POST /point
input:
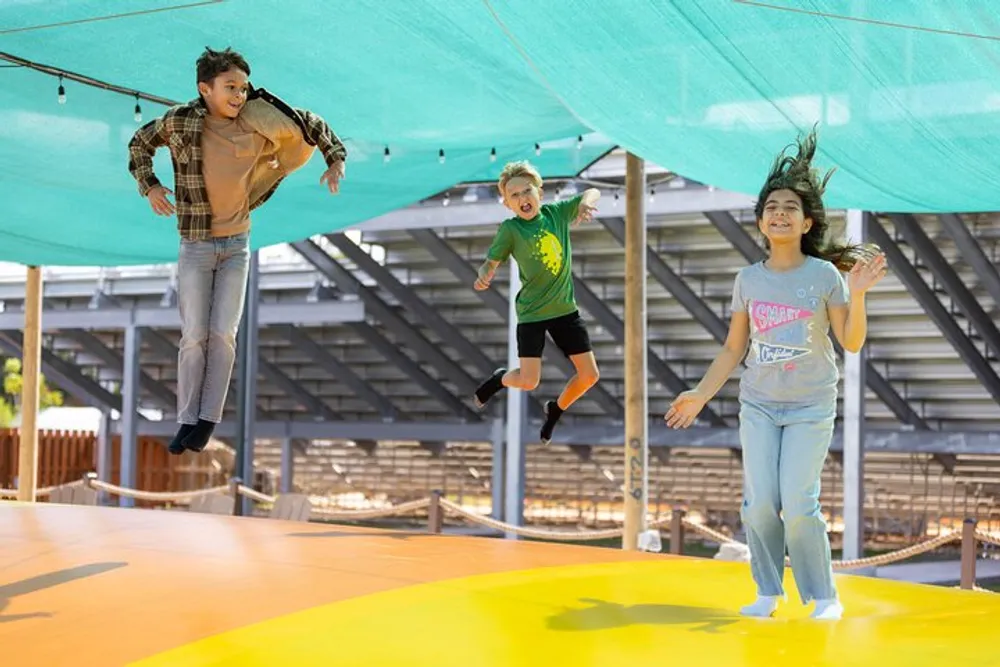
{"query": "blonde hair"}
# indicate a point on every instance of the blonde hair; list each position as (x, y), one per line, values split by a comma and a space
(519, 169)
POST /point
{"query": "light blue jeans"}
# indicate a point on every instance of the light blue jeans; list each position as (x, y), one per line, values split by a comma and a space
(784, 447)
(211, 291)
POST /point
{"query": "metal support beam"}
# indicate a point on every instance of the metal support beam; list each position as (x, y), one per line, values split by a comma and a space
(105, 435)
(411, 301)
(339, 370)
(973, 253)
(925, 296)
(310, 402)
(497, 483)
(684, 201)
(303, 313)
(744, 243)
(659, 368)
(374, 304)
(64, 375)
(929, 254)
(674, 284)
(109, 357)
(597, 434)
(514, 468)
(497, 302)
(129, 454)
(287, 465)
(395, 356)
(248, 351)
(854, 421)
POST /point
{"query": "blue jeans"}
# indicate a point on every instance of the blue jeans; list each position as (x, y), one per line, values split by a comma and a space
(784, 447)
(211, 291)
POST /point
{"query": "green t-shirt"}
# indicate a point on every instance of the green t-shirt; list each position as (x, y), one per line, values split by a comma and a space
(541, 248)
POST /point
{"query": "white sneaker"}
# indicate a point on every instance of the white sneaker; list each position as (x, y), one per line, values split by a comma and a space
(828, 610)
(763, 607)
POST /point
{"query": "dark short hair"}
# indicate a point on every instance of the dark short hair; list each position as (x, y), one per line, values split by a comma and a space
(212, 63)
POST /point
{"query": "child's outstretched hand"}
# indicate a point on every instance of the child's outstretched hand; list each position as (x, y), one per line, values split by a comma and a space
(331, 177)
(157, 197)
(585, 213)
(684, 409)
(865, 274)
(484, 278)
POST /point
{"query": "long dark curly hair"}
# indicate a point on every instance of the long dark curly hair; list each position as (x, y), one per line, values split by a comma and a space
(798, 175)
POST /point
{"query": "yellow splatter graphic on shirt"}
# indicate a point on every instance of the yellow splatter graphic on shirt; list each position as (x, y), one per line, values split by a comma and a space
(550, 250)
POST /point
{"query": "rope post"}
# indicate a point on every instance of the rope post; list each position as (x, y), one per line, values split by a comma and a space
(968, 581)
(234, 491)
(434, 516)
(677, 530)
(88, 480)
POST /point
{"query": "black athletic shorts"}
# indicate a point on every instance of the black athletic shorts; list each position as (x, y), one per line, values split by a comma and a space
(568, 332)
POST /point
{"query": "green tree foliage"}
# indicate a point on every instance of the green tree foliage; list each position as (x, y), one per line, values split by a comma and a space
(10, 398)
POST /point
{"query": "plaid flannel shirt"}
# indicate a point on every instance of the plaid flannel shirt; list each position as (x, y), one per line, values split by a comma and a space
(180, 129)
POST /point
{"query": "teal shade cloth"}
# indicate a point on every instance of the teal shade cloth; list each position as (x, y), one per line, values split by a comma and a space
(905, 94)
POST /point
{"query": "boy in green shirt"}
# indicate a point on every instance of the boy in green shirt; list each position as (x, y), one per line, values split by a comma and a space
(538, 238)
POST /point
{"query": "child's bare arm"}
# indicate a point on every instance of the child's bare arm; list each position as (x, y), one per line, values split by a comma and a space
(485, 275)
(587, 206)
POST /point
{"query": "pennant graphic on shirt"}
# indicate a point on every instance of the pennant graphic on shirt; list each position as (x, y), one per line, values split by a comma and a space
(767, 315)
(777, 354)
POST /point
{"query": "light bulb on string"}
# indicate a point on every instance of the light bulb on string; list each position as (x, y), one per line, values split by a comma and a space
(385, 156)
(579, 142)
(615, 202)
(493, 154)
(538, 150)
(446, 200)
(652, 195)
(138, 110)
(62, 91)
(441, 155)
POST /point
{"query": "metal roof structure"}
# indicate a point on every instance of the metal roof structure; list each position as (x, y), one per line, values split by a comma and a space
(376, 333)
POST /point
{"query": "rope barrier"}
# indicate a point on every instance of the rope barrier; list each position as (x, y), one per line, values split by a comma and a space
(489, 522)
(40, 493)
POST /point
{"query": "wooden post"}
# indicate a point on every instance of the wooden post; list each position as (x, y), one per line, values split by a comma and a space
(677, 530)
(234, 491)
(636, 404)
(31, 353)
(968, 581)
(435, 518)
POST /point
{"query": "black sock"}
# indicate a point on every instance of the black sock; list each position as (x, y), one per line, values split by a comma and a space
(177, 444)
(197, 439)
(552, 414)
(491, 386)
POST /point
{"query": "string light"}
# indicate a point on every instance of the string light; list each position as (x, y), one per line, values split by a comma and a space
(62, 91)
(652, 195)
(441, 155)
(447, 199)
(493, 154)
(138, 109)
(579, 142)
(538, 149)
(385, 156)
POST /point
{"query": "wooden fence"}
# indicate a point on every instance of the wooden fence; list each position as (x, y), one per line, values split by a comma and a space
(65, 456)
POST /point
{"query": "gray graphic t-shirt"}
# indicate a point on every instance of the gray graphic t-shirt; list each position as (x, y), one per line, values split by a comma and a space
(791, 357)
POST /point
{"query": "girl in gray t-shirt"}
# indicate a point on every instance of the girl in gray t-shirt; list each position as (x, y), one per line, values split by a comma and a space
(783, 310)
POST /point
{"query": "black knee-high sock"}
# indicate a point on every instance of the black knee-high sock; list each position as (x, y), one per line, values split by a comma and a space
(177, 444)
(552, 414)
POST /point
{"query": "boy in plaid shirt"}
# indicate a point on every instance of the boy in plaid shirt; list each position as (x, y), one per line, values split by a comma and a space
(231, 148)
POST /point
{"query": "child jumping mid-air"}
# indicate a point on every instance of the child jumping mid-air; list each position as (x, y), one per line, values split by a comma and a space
(784, 307)
(538, 238)
(231, 148)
